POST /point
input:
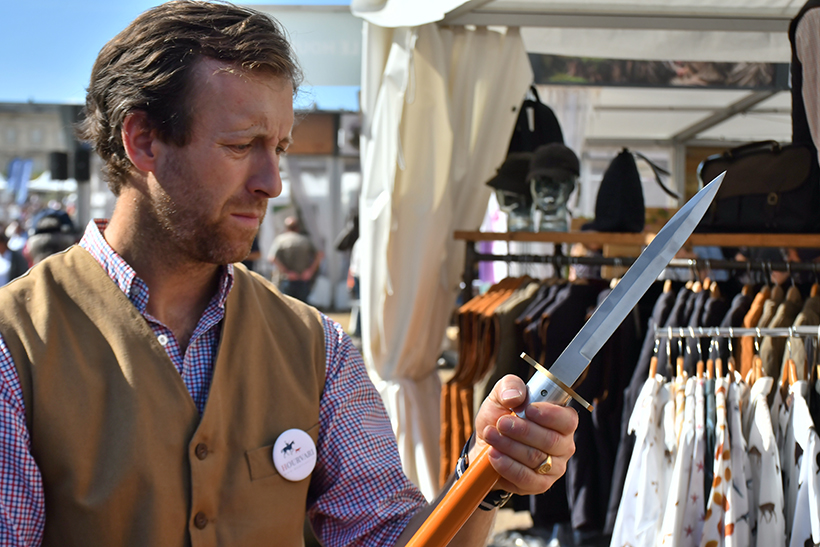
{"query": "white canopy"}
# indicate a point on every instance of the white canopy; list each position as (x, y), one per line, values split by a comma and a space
(437, 91)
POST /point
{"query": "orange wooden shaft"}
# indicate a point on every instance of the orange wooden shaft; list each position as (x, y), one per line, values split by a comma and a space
(457, 505)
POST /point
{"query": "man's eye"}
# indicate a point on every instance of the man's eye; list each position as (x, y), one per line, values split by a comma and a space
(241, 147)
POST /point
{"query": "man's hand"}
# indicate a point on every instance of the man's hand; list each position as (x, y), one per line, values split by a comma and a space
(519, 446)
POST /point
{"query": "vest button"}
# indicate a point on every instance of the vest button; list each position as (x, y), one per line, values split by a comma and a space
(201, 451)
(200, 520)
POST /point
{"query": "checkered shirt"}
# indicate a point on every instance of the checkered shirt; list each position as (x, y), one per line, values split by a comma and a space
(358, 493)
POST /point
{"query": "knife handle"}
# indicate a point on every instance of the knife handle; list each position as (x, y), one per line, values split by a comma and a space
(467, 492)
(542, 389)
(457, 505)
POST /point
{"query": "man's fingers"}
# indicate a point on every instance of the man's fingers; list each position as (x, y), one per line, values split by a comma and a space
(510, 392)
(522, 479)
(513, 435)
(558, 418)
(526, 455)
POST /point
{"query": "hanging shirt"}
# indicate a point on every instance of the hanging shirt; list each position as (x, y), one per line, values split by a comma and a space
(679, 389)
(694, 511)
(806, 527)
(679, 486)
(766, 518)
(711, 425)
(714, 530)
(638, 519)
(736, 520)
(790, 454)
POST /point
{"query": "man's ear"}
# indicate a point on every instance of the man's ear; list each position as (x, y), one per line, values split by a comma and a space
(138, 140)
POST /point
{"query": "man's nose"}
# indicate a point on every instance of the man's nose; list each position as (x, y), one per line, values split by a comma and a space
(267, 179)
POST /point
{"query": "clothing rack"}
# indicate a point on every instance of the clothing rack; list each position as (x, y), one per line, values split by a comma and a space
(473, 257)
(730, 332)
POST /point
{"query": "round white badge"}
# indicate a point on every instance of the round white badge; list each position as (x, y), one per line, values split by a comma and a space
(294, 454)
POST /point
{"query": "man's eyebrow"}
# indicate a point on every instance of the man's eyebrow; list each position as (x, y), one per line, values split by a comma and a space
(287, 140)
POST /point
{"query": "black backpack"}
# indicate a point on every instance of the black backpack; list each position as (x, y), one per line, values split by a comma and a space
(536, 126)
(619, 206)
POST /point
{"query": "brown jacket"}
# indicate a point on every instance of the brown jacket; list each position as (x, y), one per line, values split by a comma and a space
(125, 457)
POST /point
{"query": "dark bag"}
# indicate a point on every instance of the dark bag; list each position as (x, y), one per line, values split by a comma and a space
(349, 234)
(619, 206)
(536, 126)
(767, 188)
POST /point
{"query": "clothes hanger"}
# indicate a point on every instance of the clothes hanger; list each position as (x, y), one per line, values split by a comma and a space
(710, 363)
(793, 294)
(679, 360)
(699, 366)
(667, 286)
(748, 287)
(653, 363)
(756, 371)
(731, 361)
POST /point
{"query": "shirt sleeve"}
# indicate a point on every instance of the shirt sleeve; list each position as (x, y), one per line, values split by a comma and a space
(807, 44)
(359, 494)
(22, 503)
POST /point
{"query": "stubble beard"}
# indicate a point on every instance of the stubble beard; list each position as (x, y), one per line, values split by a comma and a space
(191, 233)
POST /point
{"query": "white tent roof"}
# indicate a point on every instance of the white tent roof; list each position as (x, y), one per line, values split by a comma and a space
(685, 30)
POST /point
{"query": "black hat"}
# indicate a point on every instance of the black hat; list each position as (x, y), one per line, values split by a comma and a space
(512, 175)
(50, 221)
(554, 159)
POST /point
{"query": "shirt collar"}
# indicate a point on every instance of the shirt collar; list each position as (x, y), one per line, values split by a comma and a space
(124, 275)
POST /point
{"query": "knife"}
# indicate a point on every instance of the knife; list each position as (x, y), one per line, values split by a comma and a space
(574, 360)
(467, 492)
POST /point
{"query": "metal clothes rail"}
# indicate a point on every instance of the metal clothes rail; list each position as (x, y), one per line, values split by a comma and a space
(729, 332)
(473, 257)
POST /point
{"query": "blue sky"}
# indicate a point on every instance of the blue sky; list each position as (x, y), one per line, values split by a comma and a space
(47, 47)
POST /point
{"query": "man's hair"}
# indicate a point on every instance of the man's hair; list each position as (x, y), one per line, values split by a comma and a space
(148, 67)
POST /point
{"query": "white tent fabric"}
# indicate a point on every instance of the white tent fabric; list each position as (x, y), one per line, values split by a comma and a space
(439, 106)
(397, 13)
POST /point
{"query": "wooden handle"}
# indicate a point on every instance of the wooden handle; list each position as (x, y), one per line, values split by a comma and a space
(458, 505)
(653, 365)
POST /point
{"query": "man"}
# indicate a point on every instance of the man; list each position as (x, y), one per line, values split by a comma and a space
(297, 260)
(145, 379)
(52, 232)
(12, 263)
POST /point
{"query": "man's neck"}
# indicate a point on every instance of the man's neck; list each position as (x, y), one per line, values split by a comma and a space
(179, 289)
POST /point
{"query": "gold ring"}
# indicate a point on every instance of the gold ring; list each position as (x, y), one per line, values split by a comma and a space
(545, 466)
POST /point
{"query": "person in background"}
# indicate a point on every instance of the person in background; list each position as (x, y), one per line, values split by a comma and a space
(53, 231)
(296, 259)
(17, 235)
(12, 263)
(154, 394)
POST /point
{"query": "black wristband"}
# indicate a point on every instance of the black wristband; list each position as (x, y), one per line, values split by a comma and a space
(496, 498)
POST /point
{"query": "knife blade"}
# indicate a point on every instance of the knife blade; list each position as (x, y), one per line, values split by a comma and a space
(617, 305)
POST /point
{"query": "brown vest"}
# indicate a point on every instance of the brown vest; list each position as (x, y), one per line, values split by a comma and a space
(124, 455)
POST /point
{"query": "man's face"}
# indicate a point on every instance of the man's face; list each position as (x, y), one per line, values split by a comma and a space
(209, 197)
